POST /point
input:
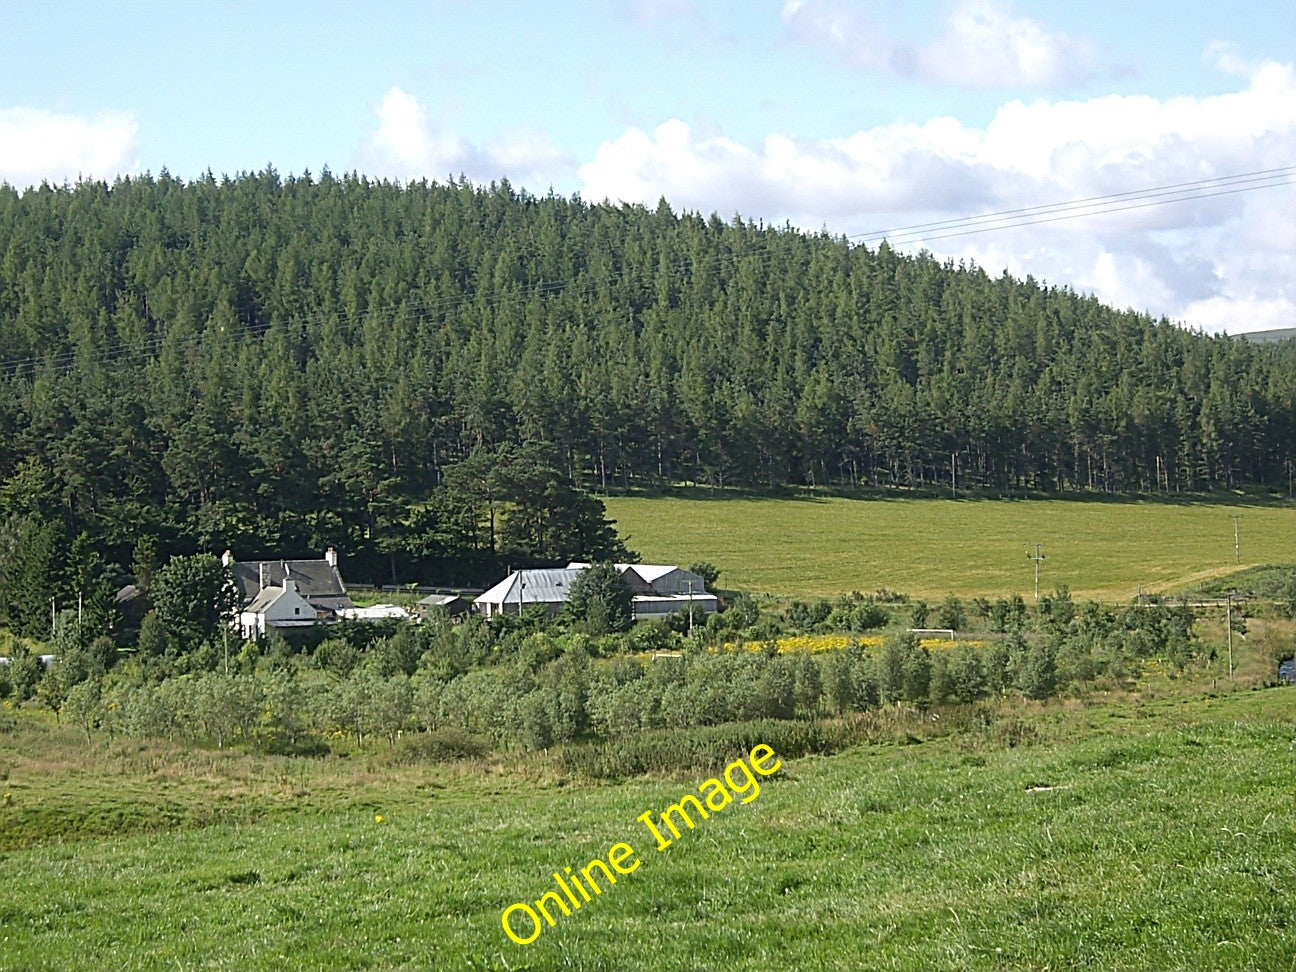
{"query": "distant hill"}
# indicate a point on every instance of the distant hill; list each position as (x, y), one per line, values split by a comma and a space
(1267, 337)
(284, 364)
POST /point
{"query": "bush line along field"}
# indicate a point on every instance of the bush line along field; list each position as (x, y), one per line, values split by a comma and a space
(1152, 836)
(824, 546)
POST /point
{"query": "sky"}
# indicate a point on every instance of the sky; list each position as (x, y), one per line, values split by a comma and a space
(862, 118)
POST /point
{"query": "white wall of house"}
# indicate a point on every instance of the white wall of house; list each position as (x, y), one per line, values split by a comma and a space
(288, 610)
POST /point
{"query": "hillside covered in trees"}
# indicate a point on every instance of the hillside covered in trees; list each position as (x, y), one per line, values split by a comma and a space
(275, 364)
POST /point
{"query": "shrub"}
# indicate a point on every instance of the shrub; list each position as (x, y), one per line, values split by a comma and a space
(314, 748)
(868, 617)
(652, 636)
(337, 657)
(704, 749)
(1038, 674)
(438, 746)
(951, 614)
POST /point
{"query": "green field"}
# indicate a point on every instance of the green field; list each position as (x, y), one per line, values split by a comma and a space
(1154, 835)
(825, 546)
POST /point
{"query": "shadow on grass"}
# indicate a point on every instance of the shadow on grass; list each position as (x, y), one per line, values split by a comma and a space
(822, 494)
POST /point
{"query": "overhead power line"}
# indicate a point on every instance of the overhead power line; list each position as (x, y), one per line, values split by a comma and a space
(1065, 216)
(1089, 206)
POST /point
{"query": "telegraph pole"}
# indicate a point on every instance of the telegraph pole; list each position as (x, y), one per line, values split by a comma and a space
(1228, 623)
(1237, 537)
(1038, 557)
(690, 608)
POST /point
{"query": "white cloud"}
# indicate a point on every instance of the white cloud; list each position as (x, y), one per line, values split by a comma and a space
(1193, 259)
(982, 44)
(38, 145)
(896, 167)
(408, 145)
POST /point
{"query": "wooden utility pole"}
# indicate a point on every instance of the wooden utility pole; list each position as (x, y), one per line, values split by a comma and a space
(1228, 623)
(1038, 557)
(690, 608)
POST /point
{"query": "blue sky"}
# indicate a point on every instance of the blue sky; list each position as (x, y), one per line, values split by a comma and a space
(850, 115)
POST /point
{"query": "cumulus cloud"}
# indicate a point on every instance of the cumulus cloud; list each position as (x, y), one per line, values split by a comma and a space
(896, 167)
(407, 144)
(981, 44)
(38, 145)
(1199, 259)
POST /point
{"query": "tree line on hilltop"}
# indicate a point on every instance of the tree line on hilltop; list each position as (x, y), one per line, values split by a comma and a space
(279, 364)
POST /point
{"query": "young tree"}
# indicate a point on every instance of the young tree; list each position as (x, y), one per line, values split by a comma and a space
(1037, 677)
(31, 576)
(709, 573)
(917, 669)
(226, 704)
(144, 562)
(918, 614)
(391, 705)
(807, 685)
(951, 614)
(153, 641)
(600, 597)
(83, 705)
(194, 598)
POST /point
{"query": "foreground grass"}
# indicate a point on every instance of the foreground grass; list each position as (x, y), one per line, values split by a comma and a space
(931, 547)
(1153, 835)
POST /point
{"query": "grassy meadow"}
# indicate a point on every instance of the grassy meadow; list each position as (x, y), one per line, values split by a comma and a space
(1153, 835)
(1154, 830)
(824, 546)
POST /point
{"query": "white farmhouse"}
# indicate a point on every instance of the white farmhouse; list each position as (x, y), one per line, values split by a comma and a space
(276, 607)
(287, 593)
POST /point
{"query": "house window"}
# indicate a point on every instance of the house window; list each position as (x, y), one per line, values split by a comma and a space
(297, 610)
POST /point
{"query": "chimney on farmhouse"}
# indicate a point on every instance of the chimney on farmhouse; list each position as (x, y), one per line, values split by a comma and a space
(330, 555)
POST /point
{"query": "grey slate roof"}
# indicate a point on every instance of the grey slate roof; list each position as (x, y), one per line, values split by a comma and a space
(266, 597)
(317, 581)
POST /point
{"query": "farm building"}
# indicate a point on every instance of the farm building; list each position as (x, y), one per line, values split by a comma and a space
(452, 604)
(658, 590)
(662, 589)
(527, 588)
(376, 612)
